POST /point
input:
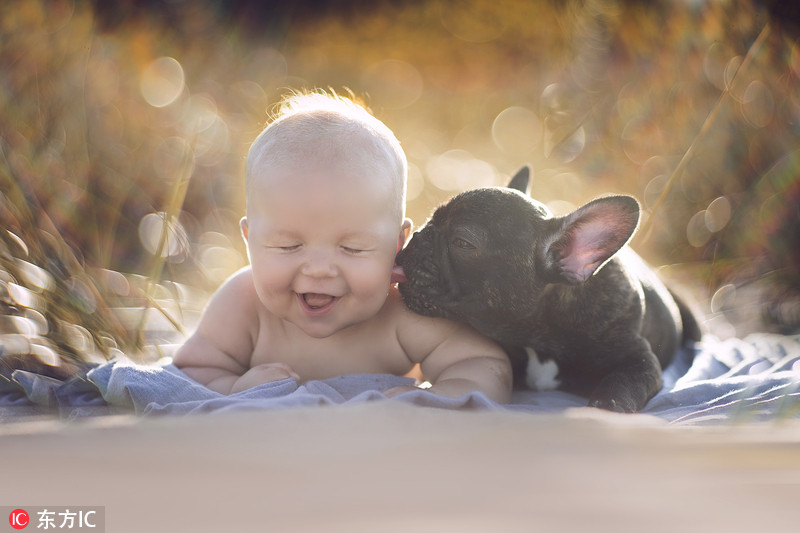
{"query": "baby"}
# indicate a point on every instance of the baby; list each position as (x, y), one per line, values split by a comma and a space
(325, 218)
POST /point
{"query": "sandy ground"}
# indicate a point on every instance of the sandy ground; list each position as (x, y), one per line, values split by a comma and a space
(391, 467)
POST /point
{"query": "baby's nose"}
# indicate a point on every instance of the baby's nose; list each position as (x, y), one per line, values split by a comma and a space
(319, 265)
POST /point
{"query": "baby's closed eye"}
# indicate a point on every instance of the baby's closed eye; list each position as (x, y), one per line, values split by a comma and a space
(283, 247)
(355, 250)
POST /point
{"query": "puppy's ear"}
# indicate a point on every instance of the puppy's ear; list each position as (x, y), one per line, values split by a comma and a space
(590, 236)
(521, 179)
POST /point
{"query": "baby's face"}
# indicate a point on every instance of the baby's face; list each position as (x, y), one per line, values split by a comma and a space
(322, 242)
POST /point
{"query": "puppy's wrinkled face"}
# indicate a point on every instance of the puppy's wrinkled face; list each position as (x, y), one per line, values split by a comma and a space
(475, 261)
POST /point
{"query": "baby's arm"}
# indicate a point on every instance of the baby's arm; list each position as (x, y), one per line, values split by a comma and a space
(457, 360)
(264, 373)
(218, 353)
(199, 359)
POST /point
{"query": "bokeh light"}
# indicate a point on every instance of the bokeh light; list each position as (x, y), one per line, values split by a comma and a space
(697, 231)
(163, 237)
(757, 104)
(200, 113)
(458, 170)
(217, 256)
(415, 183)
(724, 298)
(516, 131)
(173, 160)
(718, 214)
(162, 82)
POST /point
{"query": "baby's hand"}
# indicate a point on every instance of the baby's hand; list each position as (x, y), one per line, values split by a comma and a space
(260, 374)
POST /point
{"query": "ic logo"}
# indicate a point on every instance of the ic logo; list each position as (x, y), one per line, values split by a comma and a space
(19, 519)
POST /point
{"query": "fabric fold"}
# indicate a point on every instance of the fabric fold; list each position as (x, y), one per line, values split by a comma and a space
(752, 379)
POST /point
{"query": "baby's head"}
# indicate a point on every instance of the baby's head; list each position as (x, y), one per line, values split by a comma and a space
(330, 131)
(325, 213)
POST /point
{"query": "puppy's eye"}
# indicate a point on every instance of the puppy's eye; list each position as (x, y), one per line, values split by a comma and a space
(462, 244)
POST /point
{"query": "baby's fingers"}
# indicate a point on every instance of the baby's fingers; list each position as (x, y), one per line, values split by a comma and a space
(267, 373)
(278, 369)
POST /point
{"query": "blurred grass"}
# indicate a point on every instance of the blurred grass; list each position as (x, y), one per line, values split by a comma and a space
(123, 129)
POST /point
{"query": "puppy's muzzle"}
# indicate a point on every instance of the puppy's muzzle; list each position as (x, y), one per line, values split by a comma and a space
(428, 278)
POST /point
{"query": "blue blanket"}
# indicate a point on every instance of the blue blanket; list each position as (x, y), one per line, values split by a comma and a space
(751, 379)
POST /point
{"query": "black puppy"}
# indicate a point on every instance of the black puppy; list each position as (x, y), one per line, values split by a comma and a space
(573, 306)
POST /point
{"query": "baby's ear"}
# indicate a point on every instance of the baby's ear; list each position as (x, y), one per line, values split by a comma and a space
(244, 229)
(405, 231)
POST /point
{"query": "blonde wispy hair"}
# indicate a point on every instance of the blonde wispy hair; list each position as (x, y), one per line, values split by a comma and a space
(323, 124)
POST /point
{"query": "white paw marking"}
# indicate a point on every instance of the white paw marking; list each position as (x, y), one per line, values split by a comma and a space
(541, 376)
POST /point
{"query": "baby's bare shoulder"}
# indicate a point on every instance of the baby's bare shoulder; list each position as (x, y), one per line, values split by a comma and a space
(241, 282)
(234, 304)
(420, 335)
(236, 293)
(224, 337)
(418, 332)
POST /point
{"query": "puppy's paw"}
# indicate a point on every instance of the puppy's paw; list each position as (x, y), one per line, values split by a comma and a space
(610, 404)
(611, 396)
(627, 390)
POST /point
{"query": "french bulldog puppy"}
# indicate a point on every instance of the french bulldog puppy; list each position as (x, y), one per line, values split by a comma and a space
(574, 307)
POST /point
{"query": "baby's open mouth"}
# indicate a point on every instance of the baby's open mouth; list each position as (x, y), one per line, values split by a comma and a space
(317, 301)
